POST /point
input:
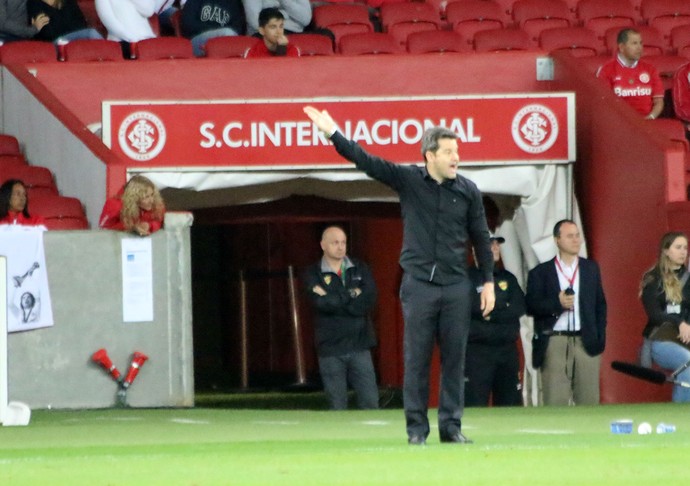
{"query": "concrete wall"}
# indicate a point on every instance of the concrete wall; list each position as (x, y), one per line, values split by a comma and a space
(51, 367)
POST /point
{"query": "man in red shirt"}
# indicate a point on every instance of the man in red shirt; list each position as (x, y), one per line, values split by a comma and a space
(272, 30)
(636, 81)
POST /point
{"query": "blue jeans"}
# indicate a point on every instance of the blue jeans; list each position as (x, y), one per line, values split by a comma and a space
(199, 41)
(357, 369)
(671, 356)
(79, 34)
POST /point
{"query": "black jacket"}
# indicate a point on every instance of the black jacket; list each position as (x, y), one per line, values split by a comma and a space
(63, 21)
(543, 304)
(654, 302)
(341, 321)
(503, 324)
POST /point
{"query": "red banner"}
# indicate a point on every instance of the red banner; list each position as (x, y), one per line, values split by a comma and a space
(510, 129)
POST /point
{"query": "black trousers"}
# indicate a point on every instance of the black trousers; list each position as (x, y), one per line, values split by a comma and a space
(492, 371)
(434, 314)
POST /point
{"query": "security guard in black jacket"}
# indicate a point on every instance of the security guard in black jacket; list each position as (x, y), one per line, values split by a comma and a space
(492, 367)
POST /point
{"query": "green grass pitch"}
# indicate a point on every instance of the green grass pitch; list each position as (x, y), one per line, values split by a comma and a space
(208, 446)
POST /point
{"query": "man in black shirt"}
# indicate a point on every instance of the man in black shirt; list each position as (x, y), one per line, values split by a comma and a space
(440, 210)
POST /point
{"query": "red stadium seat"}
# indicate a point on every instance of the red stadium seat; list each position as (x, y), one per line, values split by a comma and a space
(436, 41)
(312, 44)
(601, 15)
(24, 52)
(471, 16)
(507, 9)
(38, 180)
(59, 212)
(371, 43)
(535, 16)
(163, 48)
(403, 19)
(9, 145)
(654, 44)
(673, 130)
(580, 42)
(667, 66)
(592, 64)
(680, 40)
(93, 50)
(10, 162)
(229, 46)
(666, 14)
(502, 40)
(343, 19)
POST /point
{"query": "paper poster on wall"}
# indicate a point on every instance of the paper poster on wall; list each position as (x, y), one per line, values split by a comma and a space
(28, 296)
(137, 280)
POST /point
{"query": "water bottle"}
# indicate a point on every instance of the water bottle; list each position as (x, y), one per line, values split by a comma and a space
(663, 428)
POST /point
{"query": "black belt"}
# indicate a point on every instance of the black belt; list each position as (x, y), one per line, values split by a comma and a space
(564, 333)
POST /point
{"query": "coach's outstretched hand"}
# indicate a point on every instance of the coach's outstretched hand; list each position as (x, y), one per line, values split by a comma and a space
(321, 119)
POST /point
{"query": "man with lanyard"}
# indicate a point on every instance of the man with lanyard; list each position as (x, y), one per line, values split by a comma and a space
(636, 81)
(343, 293)
(441, 211)
(566, 298)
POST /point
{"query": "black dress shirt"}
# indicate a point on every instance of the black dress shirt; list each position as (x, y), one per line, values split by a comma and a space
(437, 218)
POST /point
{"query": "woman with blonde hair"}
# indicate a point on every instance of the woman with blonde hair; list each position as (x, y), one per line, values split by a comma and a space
(137, 208)
(665, 293)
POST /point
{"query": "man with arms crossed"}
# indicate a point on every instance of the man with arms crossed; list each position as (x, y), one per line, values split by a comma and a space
(440, 211)
(343, 293)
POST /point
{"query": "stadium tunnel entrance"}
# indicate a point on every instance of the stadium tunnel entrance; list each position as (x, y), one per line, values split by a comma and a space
(259, 224)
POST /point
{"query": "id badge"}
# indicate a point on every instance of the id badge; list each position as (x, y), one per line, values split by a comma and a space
(673, 308)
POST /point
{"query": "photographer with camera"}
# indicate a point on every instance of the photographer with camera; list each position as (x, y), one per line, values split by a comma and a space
(566, 298)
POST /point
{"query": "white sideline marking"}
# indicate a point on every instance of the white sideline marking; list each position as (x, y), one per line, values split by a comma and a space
(375, 422)
(189, 421)
(545, 431)
(276, 422)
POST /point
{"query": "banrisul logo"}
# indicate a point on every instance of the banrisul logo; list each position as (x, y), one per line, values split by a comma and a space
(535, 128)
(141, 136)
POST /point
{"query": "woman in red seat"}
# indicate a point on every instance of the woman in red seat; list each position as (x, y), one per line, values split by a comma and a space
(137, 208)
(14, 205)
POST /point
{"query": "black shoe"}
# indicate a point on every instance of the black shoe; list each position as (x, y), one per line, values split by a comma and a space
(456, 438)
(416, 440)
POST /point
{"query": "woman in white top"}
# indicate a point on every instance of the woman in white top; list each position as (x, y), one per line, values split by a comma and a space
(128, 20)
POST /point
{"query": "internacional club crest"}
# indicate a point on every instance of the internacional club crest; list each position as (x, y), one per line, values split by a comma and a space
(535, 128)
(141, 136)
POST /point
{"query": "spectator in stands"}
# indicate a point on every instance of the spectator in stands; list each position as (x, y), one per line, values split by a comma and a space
(137, 208)
(296, 13)
(14, 205)
(275, 42)
(632, 79)
(492, 364)
(205, 19)
(165, 14)
(67, 22)
(127, 20)
(665, 293)
(14, 24)
(681, 94)
(343, 293)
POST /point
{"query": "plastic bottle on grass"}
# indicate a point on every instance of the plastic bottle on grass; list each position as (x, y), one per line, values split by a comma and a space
(663, 428)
